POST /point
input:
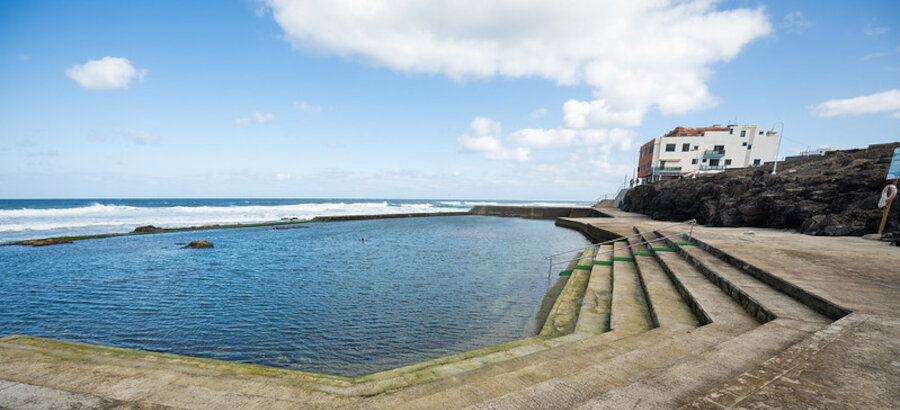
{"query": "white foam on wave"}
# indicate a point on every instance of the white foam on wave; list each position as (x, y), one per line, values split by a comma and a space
(29, 223)
(99, 215)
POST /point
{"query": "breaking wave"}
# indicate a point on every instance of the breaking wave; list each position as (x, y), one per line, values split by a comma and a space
(93, 218)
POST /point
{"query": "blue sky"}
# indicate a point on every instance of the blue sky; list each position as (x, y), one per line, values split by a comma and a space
(480, 100)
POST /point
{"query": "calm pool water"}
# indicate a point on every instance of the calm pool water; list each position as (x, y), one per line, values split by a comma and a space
(315, 299)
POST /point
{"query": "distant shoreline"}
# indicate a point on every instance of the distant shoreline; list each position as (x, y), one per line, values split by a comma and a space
(59, 240)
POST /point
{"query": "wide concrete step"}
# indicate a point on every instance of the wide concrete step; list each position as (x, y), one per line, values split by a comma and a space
(772, 300)
(629, 309)
(668, 306)
(595, 307)
(712, 302)
(564, 314)
(680, 382)
(493, 381)
(703, 354)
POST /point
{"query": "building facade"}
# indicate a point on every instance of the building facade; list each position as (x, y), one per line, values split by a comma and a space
(698, 151)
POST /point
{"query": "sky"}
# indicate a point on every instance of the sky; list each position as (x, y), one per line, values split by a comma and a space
(471, 99)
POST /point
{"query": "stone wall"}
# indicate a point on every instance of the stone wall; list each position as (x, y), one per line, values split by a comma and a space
(535, 212)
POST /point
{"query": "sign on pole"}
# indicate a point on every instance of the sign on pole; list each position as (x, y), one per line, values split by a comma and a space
(894, 171)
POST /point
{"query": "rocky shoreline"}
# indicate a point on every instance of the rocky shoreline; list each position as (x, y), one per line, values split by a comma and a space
(831, 195)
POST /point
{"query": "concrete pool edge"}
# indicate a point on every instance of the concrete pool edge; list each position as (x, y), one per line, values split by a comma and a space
(364, 385)
(527, 212)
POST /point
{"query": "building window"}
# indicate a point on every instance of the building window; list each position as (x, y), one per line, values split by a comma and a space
(685, 147)
(719, 148)
(714, 162)
(744, 144)
(743, 133)
(696, 147)
(756, 162)
(760, 133)
(749, 146)
(651, 149)
(694, 161)
(704, 160)
(730, 131)
(727, 162)
(670, 147)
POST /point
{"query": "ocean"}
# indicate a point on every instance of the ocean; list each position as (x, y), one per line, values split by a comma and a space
(42, 218)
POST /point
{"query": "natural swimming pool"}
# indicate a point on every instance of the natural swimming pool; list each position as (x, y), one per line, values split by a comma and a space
(314, 299)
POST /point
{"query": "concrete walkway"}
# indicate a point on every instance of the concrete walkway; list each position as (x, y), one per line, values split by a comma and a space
(770, 341)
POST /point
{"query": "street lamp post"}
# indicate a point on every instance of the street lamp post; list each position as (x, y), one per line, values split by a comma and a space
(780, 135)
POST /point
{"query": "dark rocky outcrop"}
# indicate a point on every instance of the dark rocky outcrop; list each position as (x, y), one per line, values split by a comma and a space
(282, 228)
(45, 242)
(198, 245)
(835, 195)
(146, 229)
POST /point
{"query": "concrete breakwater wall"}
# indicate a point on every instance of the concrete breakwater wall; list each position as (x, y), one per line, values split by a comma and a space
(536, 212)
(592, 232)
(381, 216)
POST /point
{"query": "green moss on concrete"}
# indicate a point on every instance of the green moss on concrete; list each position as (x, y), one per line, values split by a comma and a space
(562, 317)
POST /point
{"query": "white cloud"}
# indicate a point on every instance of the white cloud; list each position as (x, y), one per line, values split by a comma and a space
(873, 30)
(484, 138)
(106, 73)
(796, 22)
(636, 55)
(281, 176)
(885, 101)
(24, 58)
(255, 118)
(606, 139)
(138, 137)
(306, 107)
(538, 113)
(873, 55)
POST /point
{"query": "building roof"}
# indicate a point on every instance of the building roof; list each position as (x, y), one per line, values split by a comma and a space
(694, 132)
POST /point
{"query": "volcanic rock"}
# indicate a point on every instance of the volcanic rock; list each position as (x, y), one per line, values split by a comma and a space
(831, 195)
(198, 245)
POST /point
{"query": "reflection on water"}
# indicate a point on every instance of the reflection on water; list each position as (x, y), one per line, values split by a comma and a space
(315, 299)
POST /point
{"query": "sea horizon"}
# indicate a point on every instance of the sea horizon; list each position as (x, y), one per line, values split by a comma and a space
(22, 219)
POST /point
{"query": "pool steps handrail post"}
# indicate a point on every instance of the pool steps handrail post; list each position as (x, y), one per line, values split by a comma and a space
(690, 221)
(689, 232)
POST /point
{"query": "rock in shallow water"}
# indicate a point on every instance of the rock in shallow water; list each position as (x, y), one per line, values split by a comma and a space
(198, 245)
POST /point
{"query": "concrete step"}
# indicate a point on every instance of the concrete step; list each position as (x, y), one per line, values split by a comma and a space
(680, 382)
(629, 309)
(595, 308)
(498, 379)
(727, 276)
(581, 386)
(564, 313)
(667, 306)
(707, 301)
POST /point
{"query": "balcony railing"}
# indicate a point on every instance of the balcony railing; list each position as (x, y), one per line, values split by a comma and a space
(712, 153)
(666, 170)
(712, 168)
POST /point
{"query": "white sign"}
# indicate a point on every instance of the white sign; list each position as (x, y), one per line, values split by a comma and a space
(894, 171)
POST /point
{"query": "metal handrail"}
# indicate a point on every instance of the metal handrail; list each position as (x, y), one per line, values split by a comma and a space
(690, 233)
(629, 246)
(692, 222)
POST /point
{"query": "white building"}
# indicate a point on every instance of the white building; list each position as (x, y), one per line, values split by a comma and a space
(697, 151)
